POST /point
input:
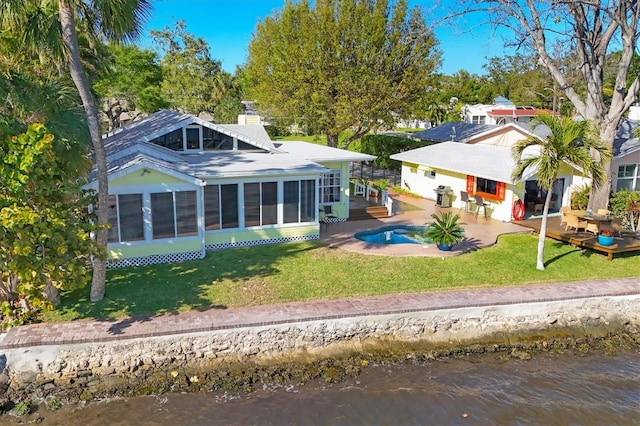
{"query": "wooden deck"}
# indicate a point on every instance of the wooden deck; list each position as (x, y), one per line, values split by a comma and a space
(626, 243)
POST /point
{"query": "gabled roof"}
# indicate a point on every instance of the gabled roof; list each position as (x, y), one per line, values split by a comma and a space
(453, 132)
(165, 121)
(129, 149)
(625, 143)
(485, 161)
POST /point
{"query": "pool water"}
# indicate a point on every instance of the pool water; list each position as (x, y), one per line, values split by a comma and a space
(395, 234)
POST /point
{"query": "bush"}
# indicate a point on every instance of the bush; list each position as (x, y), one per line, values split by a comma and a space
(383, 146)
(580, 198)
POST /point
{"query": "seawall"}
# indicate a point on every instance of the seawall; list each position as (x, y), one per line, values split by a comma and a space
(92, 366)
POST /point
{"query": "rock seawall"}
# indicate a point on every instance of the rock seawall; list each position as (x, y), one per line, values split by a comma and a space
(188, 361)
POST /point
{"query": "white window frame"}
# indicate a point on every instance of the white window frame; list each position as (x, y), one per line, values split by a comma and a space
(330, 175)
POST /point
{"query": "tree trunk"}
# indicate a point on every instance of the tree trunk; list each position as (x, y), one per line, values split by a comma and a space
(332, 140)
(70, 40)
(543, 232)
(599, 198)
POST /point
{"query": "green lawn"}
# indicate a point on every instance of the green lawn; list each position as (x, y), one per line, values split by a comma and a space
(310, 271)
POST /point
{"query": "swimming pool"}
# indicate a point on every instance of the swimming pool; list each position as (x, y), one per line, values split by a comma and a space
(395, 234)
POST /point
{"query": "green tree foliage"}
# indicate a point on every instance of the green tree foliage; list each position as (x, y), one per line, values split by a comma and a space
(341, 64)
(45, 242)
(522, 80)
(570, 141)
(230, 106)
(193, 81)
(51, 28)
(131, 84)
(383, 146)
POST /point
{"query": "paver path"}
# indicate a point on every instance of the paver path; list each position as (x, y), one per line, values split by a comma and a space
(87, 331)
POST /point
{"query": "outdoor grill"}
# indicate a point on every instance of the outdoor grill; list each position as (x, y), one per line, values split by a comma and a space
(443, 196)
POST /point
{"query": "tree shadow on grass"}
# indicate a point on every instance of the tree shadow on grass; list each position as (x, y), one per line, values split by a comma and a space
(137, 294)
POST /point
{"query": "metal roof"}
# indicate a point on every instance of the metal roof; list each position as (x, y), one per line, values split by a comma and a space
(625, 143)
(453, 132)
(128, 149)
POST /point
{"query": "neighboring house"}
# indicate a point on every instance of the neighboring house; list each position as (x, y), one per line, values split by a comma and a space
(180, 186)
(480, 162)
(625, 165)
(502, 111)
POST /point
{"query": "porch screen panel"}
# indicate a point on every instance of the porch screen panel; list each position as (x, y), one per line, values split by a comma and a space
(212, 207)
(131, 220)
(307, 200)
(162, 215)
(113, 234)
(251, 204)
(269, 203)
(291, 201)
(229, 205)
(186, 213)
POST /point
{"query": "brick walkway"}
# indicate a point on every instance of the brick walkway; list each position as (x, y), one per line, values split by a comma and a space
(220, 319)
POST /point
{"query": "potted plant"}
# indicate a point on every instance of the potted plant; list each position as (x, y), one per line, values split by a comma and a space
(446, 230)
(605, 237)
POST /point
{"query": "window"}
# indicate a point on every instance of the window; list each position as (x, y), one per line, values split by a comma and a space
(628, 177)
(260, 203)
(478, 119)
(299, 201)
(211, 207)
(125, 217)
(487, 188)
(172, 140)
(173, 214)
(229, 206)
(213, 140)
(192, 138)
(330, 187)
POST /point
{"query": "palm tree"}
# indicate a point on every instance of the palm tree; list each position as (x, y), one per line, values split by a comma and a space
(570, 141)
(42, 27)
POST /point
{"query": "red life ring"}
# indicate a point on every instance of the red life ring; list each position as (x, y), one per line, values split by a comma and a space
(518, 210)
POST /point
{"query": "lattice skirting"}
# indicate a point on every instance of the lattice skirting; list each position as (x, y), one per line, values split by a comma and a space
(213, 247)
(153, 260)
(181, 257)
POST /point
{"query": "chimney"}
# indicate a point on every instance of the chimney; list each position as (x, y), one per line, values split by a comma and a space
(634, 112)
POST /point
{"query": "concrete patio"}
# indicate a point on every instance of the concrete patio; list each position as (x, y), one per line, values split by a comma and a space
(414, 211)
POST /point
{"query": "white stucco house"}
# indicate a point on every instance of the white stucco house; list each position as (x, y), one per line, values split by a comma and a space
(478, 160)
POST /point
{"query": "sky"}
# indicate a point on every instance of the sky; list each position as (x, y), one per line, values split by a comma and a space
(228, 26)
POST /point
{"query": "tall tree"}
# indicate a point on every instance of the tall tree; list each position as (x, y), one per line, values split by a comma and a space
(193, 81)
(50, 28)
(570, 141)
(130, 85)
(591, 30)
(341, 64)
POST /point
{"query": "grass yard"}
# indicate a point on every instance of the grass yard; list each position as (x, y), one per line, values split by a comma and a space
(311, 271)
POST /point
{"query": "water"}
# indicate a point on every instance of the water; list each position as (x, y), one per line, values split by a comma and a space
(395, 234)
(550, 389)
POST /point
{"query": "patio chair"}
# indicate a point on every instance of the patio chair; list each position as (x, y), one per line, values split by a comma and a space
(481, 204)
(564, 212)
(464, 201)
(593, 228)
(326, 215)
(573, 221)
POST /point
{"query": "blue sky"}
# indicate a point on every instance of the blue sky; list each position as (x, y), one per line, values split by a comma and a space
(228, 25)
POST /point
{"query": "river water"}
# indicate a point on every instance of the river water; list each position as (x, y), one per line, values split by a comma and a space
(549, 389)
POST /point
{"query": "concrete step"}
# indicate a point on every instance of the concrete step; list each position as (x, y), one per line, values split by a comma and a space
(372, 212)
